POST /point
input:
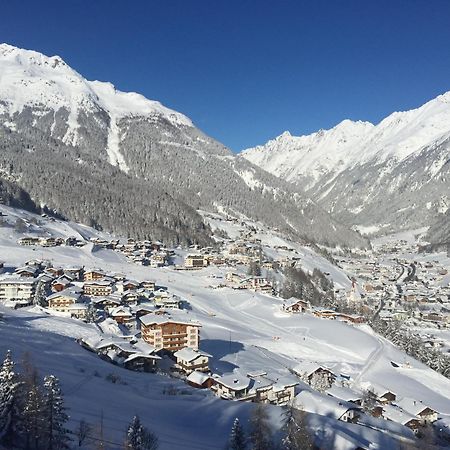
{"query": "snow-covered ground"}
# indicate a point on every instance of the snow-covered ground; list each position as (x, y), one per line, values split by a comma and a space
(242, 330)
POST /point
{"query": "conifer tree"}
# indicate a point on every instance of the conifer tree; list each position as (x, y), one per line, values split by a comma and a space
(139, 437)
(55, 415)
(237, 439)
(260, 432)
(9, 390)
(296, 436)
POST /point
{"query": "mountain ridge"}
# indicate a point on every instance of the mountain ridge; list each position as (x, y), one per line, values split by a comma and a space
(357, 170)
(120, 159)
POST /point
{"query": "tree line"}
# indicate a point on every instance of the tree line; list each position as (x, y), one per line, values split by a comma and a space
(33, 415)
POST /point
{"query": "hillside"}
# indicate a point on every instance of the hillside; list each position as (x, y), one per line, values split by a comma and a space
(393, 175)
(120, 162)
(242, 331)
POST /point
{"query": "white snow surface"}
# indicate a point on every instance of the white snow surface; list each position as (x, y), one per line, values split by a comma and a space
(29, 78)
(243, 331)
(349, 143)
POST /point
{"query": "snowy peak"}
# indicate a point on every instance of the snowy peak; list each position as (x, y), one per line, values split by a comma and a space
(29, 78)
(309, 155)
(350, 143)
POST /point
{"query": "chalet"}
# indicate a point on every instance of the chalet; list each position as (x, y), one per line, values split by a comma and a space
(55, 271)
(382, 394)
(107, 303)
(143, 309)
(93, 274)
(141, 362)
(122, 315)
(127, 285)
(324, 405)
(137, 356)
(74, 272)
(295, 305)
(232, 386)
(312, 373)
(256, 284)
(61, 283)
(131, 297)
(167, 333)
(272, 389)
(27, 271)
(350, 318)
(77, 310)
(325, 313)
(98, 288)
(28, 241)
(195, 261)
(189, 360)
(47, 241)
(158, 260)
(396, 414)
(200, 380)
(61, 301)
(21, 290)
(345, 394)
(149, 285)
(418, 410)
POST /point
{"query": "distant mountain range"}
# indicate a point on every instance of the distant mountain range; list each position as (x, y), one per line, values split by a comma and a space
(120, 162)
(376, 178)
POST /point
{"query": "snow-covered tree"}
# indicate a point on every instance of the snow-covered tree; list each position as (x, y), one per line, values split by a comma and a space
(91, 313)
(237, 440)
(40, 295)
(55, 415)
(296, 436)
(319, 382)
(139, 437)
(33, 416)
(260, 432)
(9, 389)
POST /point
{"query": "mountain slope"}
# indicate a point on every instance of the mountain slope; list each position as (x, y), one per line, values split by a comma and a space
(127, 164)
(393, 175)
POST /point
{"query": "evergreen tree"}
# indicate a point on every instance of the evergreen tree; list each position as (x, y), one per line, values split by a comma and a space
(40, 295)
(91, 313)
(260, 432)
(33, 417)
(139, 437)
(9, 389)
(237, 439)
(296, 436)
(55, 415)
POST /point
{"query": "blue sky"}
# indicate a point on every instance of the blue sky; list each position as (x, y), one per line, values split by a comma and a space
(245, 71)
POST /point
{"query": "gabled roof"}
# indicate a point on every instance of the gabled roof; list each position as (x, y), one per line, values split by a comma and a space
(414, 407)
(397, 414)
(308, 368)
(197, 377)
(324, 405)
(189, 354)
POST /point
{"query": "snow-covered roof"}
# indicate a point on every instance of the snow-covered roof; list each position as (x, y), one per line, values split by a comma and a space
(235, 381)
(412, 406)
(140, 355)
(343, 393)
(198, 377)
(308, 368)
(150, 319)
(315, 402)
(397, 414)
(189, 354)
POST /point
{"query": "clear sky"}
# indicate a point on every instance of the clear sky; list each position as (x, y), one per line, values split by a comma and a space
(245, 71)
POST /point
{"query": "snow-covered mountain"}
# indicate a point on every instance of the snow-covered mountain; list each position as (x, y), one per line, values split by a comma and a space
(391, 175)
(127, 164)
